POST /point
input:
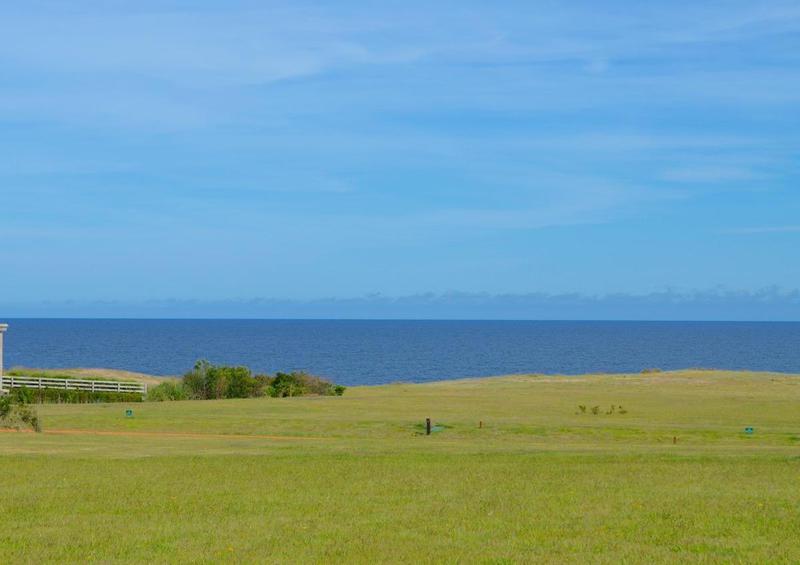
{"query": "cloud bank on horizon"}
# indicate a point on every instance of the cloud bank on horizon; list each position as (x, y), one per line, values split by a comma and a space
(216, 150)
(770, 304)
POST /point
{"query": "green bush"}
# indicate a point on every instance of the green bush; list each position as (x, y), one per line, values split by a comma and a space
(16, 414)
(300, 383)
(167, 391)
(286, 384)
(195, 381)
(239, 382)
(5, 406)
(26, 395)
(207, 381)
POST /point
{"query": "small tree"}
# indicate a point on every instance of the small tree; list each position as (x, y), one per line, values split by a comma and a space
(239, 382)
(195, 380)
(207, 381)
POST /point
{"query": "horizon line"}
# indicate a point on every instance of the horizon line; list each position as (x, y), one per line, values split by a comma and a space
(346, 319)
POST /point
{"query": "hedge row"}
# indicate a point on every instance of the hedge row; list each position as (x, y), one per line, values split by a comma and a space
(207, 381)
(50, 395)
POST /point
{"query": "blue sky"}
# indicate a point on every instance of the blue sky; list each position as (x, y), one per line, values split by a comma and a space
(214, 151)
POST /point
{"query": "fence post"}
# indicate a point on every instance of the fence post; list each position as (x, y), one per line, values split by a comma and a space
(3, 328)
(10, 381)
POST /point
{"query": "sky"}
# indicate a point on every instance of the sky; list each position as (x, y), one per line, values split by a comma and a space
(223, 152)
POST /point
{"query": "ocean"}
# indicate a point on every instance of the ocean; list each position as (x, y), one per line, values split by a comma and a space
(355, 352)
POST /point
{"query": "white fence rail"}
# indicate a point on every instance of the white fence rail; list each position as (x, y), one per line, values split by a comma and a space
(7, 382)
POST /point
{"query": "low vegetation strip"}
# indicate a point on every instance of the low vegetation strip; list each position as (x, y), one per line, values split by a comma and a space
(207, 381)
(25, 395)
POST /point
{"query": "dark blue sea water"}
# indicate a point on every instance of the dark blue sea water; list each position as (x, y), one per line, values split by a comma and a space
(369, 352)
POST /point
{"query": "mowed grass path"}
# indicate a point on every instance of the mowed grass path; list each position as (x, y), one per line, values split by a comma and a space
(538, 482)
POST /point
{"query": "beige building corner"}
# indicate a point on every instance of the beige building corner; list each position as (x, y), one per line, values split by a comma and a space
(3, 328)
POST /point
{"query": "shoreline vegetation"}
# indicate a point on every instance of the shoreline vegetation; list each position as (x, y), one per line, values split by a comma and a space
(205, 381)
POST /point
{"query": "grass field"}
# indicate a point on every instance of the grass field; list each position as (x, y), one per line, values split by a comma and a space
(352, 479)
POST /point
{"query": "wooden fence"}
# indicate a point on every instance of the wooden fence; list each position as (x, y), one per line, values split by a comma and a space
(8, 382)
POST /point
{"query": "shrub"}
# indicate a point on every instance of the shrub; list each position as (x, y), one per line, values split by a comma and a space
(300, 383)
(16, 414)
(287, 384)
(239, 382)
(262, 386)
(167, 391)
(5, 406)
(26, 395)
(208, 381)
(651, 370)
(195, 380)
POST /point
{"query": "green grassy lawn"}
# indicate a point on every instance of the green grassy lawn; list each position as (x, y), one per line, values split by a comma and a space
(352, 479)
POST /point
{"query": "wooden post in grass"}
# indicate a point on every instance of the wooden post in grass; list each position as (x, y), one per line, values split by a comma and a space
(427, 426)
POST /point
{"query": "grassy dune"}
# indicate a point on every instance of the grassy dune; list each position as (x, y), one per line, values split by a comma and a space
(351, 479)
(95, 374)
